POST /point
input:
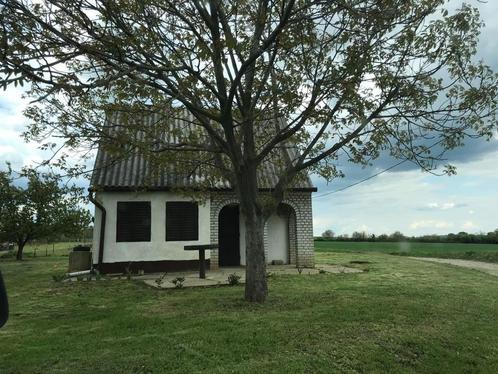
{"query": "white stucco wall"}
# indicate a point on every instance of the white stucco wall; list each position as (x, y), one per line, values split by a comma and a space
(158, 248)
(278, 239)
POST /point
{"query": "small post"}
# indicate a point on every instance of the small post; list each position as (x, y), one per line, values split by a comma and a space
(53, 248)
(46, 251)
(202, 269)
(202, 257)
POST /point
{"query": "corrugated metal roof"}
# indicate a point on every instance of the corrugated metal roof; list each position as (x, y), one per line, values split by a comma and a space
(122, 164)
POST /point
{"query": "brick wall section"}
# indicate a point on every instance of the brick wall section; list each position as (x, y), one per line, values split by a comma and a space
(292, 238)
(218, 201)
(304, 228)
(301, 229)
(265, 239)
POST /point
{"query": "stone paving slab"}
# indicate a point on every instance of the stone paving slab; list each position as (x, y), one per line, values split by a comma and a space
(477, 265)
(220, 277)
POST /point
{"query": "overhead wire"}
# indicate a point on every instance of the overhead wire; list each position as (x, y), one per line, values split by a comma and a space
(361, 181)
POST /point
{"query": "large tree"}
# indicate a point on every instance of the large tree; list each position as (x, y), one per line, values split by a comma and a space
(45, 207)
(349, 77)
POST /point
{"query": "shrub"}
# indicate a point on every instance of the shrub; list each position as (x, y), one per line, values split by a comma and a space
(233, 279)
(178, 282)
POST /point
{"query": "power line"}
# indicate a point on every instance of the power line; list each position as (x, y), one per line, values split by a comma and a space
(361, 181)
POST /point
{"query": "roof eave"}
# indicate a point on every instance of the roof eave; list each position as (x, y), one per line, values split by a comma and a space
(163, 189)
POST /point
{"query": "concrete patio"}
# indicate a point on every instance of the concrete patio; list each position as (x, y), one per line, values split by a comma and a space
(220, 277)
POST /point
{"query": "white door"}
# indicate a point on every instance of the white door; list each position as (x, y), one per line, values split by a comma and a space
(278, 239)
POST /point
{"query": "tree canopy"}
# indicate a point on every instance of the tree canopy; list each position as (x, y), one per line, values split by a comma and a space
(44, 208)
(350, 78)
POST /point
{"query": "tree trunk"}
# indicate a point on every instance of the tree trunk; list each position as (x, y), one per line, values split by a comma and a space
(256, 288)
(20, 248)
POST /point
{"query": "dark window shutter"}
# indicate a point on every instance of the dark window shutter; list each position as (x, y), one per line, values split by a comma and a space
(182, 221)
(133, 221)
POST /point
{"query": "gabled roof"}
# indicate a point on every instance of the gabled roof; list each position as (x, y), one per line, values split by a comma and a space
(133, 170)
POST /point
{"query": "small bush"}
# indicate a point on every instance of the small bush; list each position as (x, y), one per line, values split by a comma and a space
(59, 277)
(178, 282)
(321, 271)
(233, 279)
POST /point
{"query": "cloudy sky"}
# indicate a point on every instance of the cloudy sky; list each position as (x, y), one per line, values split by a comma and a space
(413, 202)
(403, 199)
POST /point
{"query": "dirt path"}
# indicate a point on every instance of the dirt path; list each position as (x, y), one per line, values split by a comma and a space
(477, 265)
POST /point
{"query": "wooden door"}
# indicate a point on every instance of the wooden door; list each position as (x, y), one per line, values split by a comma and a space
(228, 236)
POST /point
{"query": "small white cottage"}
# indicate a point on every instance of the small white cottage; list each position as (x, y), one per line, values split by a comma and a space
(141, 223)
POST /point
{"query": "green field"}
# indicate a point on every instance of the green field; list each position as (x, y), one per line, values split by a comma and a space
(478, 252)
(400, 315)
(45, 249)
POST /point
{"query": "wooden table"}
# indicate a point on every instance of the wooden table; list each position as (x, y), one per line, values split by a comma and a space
(201, 248)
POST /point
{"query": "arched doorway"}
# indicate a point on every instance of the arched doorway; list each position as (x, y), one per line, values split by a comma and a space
(229, 236)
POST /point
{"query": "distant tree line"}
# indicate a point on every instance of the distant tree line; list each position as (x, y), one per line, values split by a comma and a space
(461, 237)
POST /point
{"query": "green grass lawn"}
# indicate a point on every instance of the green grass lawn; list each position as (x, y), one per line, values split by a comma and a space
(477, 252)
(401, 315)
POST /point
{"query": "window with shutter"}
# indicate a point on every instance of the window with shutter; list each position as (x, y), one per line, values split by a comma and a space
(133, 221)
(182, 221)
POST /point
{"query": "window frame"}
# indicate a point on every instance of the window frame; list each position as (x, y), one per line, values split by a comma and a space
(134, 237)
(175, 236)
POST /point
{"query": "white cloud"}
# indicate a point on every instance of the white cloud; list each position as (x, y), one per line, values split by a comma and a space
(431, 224)
(443, 206)
(469, 225)
(363, 228)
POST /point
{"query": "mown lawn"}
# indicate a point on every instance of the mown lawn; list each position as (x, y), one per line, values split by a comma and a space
(477, 252)
(400, 315)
